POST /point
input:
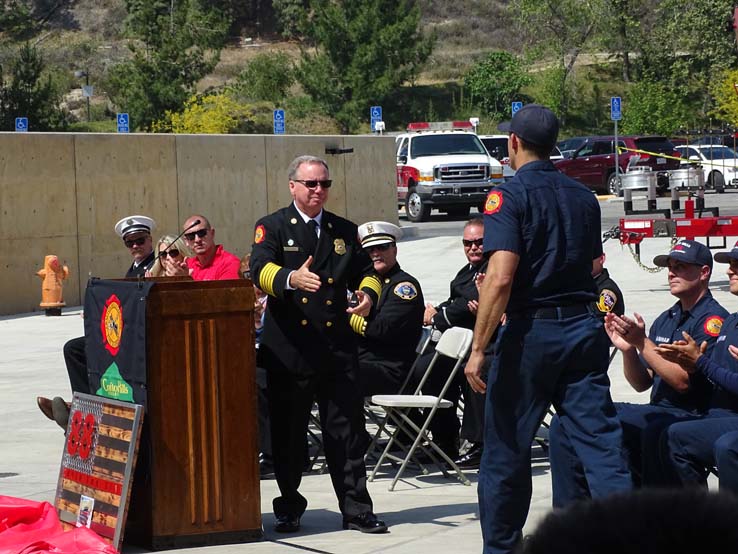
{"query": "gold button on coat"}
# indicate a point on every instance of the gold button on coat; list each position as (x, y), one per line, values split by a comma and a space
(304, 322)
(328, 323)
(304, 300)
(329, 302)
(330, 280)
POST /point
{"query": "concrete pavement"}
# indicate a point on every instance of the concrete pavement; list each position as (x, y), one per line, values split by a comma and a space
(428, 514)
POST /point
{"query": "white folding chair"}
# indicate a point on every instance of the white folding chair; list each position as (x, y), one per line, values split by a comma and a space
(454, 343)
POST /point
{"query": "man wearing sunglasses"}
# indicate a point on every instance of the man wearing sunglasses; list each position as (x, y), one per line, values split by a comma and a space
(306, 259)
(388, 337)
(211, 261)
(459, 310)
(135, 231)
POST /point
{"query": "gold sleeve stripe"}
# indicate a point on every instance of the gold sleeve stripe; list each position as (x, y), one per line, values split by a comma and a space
(266, 278)
(371, 283)
(358, 324)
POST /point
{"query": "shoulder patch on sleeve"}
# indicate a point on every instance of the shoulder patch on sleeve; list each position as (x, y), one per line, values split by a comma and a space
(493, 203)
(406, 290)
(259, 234)
(713, 324)
(607, 300)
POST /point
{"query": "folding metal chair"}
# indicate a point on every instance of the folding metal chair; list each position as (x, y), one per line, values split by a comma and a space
(454, 343)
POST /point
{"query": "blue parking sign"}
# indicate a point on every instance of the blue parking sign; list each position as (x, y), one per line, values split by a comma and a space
(616, 108)
(21, 124)
(375, 116)
(123, 122)
(279, 122)
(515, 107)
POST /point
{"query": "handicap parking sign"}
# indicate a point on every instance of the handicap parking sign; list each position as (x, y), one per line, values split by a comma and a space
(375, 116)
(279, 122)
(616, 108)
(123, 122)
(21, 124)
(515, 107)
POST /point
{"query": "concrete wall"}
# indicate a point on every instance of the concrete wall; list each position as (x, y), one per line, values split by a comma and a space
(62, 193)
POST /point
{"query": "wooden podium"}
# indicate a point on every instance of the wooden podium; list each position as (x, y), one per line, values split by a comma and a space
(197, 480)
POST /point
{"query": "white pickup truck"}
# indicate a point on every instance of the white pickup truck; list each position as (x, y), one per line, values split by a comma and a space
(444, 166)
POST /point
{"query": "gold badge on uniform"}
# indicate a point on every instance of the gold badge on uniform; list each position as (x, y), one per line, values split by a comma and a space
(406, 290)
(339, 246)
(607, 301)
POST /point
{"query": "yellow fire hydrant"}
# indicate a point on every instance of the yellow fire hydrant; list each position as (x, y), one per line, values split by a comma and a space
(52, 276)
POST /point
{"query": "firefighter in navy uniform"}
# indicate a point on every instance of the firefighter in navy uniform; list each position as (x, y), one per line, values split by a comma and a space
(389, 336)
(305, 259)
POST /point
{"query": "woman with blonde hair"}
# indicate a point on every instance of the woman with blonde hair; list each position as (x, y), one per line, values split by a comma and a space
(171, 253)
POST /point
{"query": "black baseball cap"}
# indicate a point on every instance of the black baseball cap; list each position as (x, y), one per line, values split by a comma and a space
(725, 257)
(535, 124)
(688, 252)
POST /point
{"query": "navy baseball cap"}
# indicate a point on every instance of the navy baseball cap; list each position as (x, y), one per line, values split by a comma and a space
(535, 124)
(687, 251)
(725, 257)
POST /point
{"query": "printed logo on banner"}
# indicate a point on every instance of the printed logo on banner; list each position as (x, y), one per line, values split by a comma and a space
(112, 385)
(111, 324)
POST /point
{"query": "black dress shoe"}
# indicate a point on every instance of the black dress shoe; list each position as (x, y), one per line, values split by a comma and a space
(44, 404)
(366, 523)
(471, 459)
(287, 524)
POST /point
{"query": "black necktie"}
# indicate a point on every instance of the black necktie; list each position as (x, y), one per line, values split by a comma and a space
(313, 235)
(314, 227)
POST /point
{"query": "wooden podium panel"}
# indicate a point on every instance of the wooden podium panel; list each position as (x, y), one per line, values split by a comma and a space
(202, 483)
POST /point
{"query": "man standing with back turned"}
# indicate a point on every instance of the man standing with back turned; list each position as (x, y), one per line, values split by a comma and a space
(306, 258)
(542, 230)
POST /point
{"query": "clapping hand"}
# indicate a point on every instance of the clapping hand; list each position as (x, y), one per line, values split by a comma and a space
(683, 352)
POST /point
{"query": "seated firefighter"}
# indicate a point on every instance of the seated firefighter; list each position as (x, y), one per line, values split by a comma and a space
(459, 310)
(389, 335)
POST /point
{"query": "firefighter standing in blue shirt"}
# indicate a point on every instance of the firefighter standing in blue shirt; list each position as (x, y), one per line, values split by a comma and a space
(542, 231)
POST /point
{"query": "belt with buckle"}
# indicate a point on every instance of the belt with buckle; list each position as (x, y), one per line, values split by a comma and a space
(552, 312)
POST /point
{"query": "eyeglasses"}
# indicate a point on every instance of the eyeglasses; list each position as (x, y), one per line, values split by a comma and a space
(172, 253)
(380, 247)
(130, 243)
(475, 242)
(312, 183)
(200, 233)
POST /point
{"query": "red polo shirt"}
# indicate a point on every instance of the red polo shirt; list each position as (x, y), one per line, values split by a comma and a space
(224, 265)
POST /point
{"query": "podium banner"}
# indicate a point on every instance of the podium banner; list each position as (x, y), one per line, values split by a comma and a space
(115, 338)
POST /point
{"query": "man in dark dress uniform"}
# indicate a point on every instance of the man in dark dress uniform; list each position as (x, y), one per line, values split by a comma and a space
(387, 338)
(135, 230)
(459, 310)
(306, 258)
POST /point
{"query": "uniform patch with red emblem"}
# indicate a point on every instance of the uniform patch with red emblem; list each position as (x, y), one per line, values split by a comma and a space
(607, 301)
(493, 203)
(713, 324)
(259, 234)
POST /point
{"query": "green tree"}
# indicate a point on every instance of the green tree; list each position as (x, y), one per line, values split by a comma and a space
(180, 45)
(496, 81)
(365, 50)
(653, 108)
(558, 30)
(726, 97)
(29, 92)
(268, 76)
(15, 18)
(291, 16)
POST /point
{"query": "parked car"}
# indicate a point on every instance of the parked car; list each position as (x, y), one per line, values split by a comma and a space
(719, 164)
(496, 145)
(593, 163)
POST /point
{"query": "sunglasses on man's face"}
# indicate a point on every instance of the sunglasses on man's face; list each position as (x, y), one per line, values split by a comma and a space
(172, 253)
(200, 233)
(130, 243)
(312, 183)
(476, 242)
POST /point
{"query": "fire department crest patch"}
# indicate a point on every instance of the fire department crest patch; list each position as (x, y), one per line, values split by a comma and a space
(713, 324)
(111, 324)
(493, 203)
(406, 290)
(259, 234)
(607, 301)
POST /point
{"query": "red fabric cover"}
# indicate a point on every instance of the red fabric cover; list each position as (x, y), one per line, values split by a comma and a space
(28, 527)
